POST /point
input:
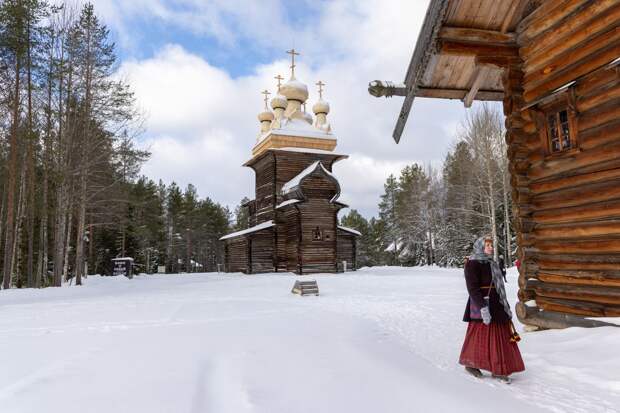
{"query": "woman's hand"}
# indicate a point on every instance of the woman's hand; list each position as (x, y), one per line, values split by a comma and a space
(486, 315)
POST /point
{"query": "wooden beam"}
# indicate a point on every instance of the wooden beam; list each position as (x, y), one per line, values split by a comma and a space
(477, 36)
(501, 62)
(501, 37)
(515, 7)
(551, 319)
(491, 95)
(461, 48)
(478, 77)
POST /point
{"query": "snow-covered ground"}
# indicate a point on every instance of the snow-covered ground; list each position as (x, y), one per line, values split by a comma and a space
(379, 340)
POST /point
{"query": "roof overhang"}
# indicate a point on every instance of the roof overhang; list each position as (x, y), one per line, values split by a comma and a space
(460, 53)
(324, 155)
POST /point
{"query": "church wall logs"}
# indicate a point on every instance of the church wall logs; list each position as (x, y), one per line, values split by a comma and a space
(318, 255)
(236, 255)
(347, 249)
(291, 245)
(567, 210)
(262, 251)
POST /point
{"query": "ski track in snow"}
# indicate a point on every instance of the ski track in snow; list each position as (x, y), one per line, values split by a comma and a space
(381, 339)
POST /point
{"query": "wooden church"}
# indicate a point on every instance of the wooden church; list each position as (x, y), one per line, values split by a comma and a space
(555, 66)
(293, 217)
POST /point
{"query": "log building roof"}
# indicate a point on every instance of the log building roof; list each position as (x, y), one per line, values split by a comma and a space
(444, 62)
(259, 227)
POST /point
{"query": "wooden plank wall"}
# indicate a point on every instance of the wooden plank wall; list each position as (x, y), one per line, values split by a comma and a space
(291, 164)
(262, 251)
(318, 256)
(236, 255)
(568, 205)
(291, 218)
(273, 169)
(265, 189)
(347, 250)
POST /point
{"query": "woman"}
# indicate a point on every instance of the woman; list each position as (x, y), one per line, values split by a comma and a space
(488, 344)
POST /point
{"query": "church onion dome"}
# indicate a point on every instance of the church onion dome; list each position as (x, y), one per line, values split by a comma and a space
(279, 102)
(320, 106)
(265, 116)
(294, 90)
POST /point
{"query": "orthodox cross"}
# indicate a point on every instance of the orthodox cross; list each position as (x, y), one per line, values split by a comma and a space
(280, 79)
(266, 93)
(293, 53)
(320, 84)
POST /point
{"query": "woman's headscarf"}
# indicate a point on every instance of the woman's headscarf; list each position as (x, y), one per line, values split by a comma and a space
(498, 279)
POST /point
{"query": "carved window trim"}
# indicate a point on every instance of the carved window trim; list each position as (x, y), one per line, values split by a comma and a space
(557, 117)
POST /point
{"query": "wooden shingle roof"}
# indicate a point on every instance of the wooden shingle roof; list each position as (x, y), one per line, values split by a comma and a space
(446, 60)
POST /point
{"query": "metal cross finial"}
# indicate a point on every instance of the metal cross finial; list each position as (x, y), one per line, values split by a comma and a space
(293, 53)
(320, 84)
(280, 79)
(266, 93)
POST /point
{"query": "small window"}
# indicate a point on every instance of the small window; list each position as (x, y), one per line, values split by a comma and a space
(557, 123)
(317, 235)
(559, 131)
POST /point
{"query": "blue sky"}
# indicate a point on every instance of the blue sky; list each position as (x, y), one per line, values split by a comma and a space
(198, 66)
(238, 58)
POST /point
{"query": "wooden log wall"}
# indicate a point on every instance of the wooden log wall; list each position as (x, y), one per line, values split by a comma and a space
(236, 255)
(347, 249)
(291, 164)
(265, 189)
(273, 169)
(262, 251)
(291, 219)
(567, 205)
(318, 256)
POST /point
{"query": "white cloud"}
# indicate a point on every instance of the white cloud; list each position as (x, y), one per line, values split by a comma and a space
(202, 122)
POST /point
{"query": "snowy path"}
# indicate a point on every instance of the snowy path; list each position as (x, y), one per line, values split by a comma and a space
(382, 340)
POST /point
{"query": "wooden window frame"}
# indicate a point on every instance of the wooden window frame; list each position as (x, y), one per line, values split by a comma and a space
(563, 101)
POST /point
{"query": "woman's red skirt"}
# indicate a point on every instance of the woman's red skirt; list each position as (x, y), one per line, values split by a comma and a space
(488, 347)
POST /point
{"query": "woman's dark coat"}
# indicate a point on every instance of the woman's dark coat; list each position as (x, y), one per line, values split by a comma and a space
(478, 274)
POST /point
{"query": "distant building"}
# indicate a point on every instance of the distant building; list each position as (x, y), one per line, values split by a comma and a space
(293, 218)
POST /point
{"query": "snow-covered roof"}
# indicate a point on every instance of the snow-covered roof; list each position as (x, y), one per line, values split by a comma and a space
(287, 202)
(263, 225)
(299, 127)
(122, 259)
(307, 150)
(351, 230)
(288, 187)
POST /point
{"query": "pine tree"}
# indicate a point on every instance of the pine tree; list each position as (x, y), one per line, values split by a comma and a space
(242, 215)
(388, 214)
(357, 222)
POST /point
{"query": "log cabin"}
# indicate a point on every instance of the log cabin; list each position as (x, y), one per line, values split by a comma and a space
(554, 64)
(293, 219)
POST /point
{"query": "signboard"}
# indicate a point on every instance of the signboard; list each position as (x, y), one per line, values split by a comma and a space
(123, 266)
(161, 269)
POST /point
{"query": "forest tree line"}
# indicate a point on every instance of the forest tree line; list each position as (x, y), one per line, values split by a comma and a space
(433, 215)
(72, 198)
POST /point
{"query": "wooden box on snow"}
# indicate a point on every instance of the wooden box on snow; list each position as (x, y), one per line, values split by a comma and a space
(306, 288)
